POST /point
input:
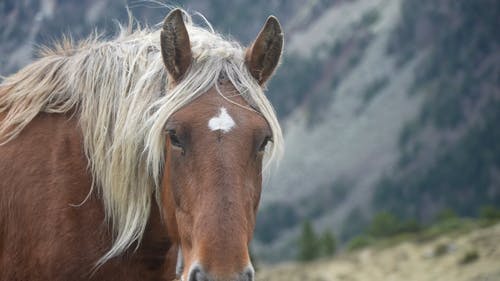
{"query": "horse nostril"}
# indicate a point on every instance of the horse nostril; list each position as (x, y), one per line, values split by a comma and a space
(248, 274)
(197, 274)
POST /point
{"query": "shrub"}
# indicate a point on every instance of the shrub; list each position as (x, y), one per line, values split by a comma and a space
(489, 213)
(440, 250)
(445, 215)
(469, 257)
(384, 224)
(359, 242)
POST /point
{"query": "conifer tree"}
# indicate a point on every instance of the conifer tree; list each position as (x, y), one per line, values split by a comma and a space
(308, 243)
(328, 243)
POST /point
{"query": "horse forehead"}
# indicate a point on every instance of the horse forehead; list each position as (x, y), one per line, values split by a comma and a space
(221, 111)
(222, 121)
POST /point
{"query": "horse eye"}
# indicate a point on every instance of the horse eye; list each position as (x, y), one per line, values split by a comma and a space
(264, 143)
(174, 140)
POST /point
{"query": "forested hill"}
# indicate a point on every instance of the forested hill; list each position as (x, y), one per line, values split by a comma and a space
(393, 108)
(450, 152)
(386, 105)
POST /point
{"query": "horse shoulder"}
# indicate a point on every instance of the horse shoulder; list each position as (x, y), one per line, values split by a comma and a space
(45, 234)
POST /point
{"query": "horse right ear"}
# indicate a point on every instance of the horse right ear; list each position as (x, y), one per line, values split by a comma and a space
(175, 45)
(263, 56)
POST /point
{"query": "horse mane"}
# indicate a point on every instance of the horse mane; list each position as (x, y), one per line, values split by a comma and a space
(121, 94)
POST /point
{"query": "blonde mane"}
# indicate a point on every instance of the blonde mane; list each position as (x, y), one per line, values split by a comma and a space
(121, 94)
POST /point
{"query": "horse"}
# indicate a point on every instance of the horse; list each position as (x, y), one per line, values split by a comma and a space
(137, 157)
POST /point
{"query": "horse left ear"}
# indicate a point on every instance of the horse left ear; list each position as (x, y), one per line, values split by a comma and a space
(264, 54)
(175, 45)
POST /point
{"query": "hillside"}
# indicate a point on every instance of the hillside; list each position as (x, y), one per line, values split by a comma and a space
(394, 108)
(471, 256)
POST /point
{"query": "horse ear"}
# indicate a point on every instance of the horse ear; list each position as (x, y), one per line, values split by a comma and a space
(175, 45)
(264, 54)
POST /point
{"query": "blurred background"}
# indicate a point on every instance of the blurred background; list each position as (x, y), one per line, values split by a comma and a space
(390, 110)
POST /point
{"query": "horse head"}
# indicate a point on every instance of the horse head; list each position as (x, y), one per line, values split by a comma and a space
(215, 146)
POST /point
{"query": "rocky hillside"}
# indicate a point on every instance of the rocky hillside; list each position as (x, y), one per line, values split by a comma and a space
(351, 103)
(27, 23)
(393, 107)
(472, 256)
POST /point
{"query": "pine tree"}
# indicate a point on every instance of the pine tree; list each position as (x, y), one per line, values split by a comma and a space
(308, 243)
(328, 243)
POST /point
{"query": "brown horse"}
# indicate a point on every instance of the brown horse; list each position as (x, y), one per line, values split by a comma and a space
(93, 134)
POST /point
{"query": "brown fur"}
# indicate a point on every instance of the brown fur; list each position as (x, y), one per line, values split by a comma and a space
(212, 183)
(43, 237)
(213, 198)
(44, 171)
(210, 193)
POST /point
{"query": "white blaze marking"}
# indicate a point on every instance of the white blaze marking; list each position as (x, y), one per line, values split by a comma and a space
(222, 122)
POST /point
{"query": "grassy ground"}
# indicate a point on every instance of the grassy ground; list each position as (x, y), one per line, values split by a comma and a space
(472, 255)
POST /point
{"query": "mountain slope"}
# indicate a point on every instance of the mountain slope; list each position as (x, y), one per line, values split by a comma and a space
(450, 153)
(393, 107)
(345, 131)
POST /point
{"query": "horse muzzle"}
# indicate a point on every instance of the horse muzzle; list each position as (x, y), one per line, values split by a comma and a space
(197, 273)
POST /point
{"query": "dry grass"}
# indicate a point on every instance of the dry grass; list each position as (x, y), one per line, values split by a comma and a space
(410, 261)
